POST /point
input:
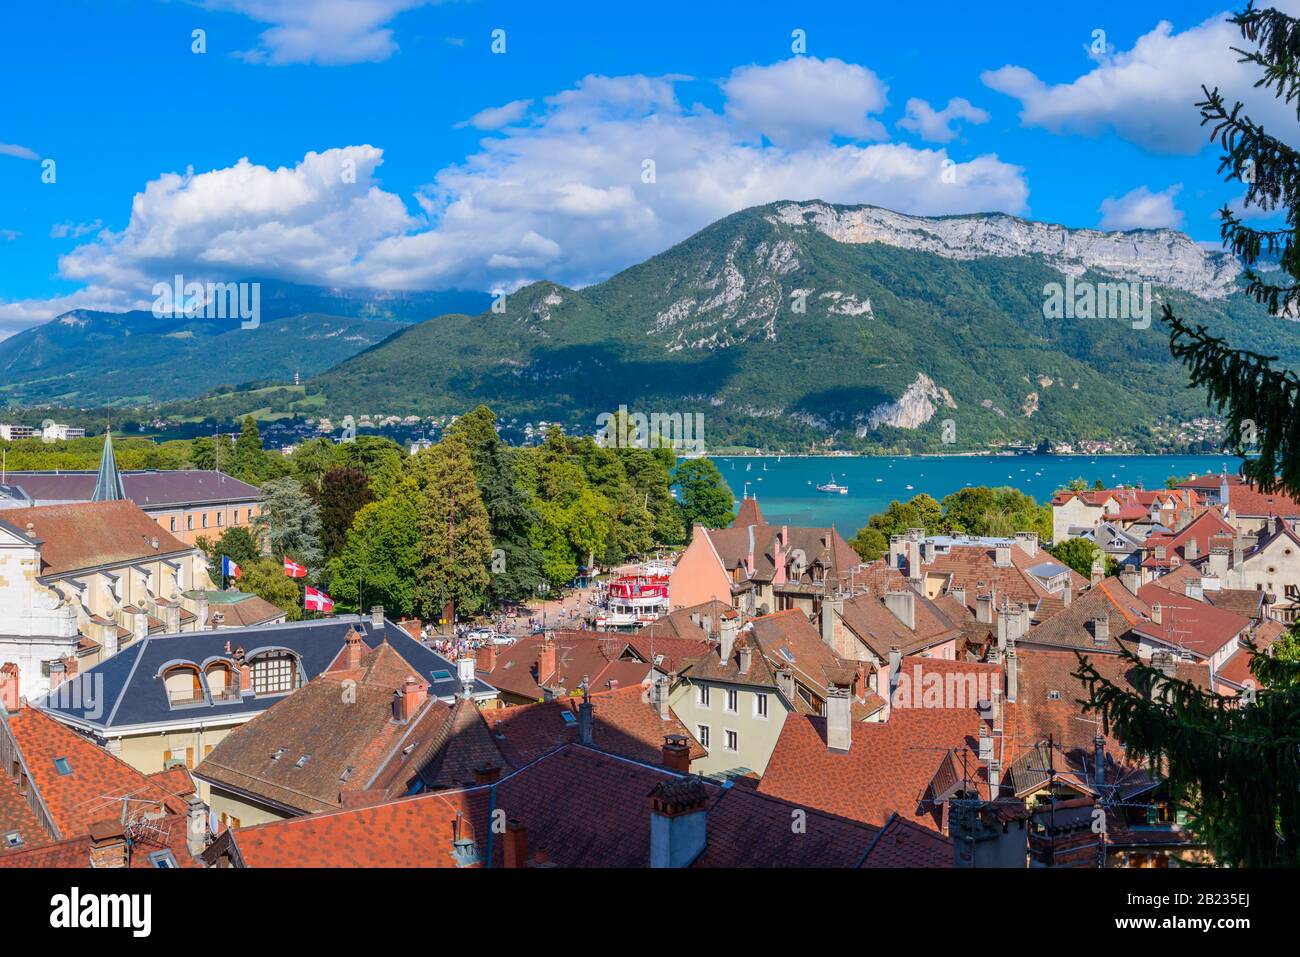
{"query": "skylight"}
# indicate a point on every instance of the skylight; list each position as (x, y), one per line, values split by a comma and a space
(569, 719)
(301, 761)
(163, 859)
(785, 653)
(440, 675)
(13, 839)
(62, 766)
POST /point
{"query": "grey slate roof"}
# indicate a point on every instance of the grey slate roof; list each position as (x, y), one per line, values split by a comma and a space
(125, 691)
(151, 489)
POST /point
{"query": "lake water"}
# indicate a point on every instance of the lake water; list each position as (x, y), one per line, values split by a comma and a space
(786, 488)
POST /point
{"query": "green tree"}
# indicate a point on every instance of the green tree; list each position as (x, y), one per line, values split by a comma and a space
(706, 499)
(265, 577)
(1078, 553)
(516, 565)
(870, 543)
(290, 525)
(312, 459)
(380, 458)
(204, 453)
(381, 557)
(237, 542)
(343, 493)
(455, 539)
(249, 463)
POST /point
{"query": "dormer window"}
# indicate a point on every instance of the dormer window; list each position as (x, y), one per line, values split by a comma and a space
(275, 674)
(13, 839)
(183, 685)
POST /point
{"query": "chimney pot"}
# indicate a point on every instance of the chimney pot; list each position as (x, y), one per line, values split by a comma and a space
(516, 845)
(677, 753)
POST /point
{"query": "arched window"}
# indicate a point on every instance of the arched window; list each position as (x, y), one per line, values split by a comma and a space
(274, 672)
(220, 679)
(183, 685)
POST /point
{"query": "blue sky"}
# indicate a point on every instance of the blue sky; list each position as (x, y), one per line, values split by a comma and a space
(475, 169)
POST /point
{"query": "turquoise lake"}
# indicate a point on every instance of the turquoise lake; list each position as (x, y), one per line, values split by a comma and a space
(786, 487)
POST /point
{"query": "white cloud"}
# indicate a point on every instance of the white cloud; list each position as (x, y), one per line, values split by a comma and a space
(495, 117)
(804, 99)
(8, 235)
(935, 126)
(22, 152)
(562, 197)
(74, 230)
(1147, 95)
(328, 32)
(1142, 209)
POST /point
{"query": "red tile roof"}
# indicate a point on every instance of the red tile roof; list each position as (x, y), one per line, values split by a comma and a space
(97, 783)
(602, 658)
(904, 843)
(88, 534)
(1187, 623)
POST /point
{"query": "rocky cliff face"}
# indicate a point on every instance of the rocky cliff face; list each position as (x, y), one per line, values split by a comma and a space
(1161, 256)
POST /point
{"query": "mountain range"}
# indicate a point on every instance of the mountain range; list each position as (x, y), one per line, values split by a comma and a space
(804, 323)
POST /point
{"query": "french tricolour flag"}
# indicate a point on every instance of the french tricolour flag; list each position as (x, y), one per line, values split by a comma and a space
(293, 569)
(228, 567)
(315, 600)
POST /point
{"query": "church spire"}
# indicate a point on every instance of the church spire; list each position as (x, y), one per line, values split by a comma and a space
(108, 487)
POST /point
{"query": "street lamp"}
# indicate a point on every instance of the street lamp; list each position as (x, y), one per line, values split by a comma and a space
(543, 589)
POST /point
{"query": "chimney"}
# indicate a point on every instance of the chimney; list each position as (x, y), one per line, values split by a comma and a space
(959, 593)
(1191, 550)
(411, 626)
(408, 699)
(245, 678)
(218, 620)
(109, 639)
(9, 696)
(1002, 555)
(1012, 676)
(1028, 541)
(516, 844)
(140, 624)
(914, 572)
(728, 645)
(1272, 524)
(377, 616)
(1098, 570)
(839, 720)
(108, 845)
(778, 560)
(749, 556)
(831, 608)
(678, 822)
(486, 658)
(1155, 613)
(353, 649)
(728, 628)
(465, 672)
(1067, 593)
(662, 686)
(1218, 566)
(677, 753)
(785, 684)
(897, 549)
(1099, 759)
(1129, 579)
(902, 605)
(586, 718)
(546, 660)
(1101, 631)
(196, 825)
(1238, 550)
(984, 608)
(744, 657)
(58, 673)
(486, 773)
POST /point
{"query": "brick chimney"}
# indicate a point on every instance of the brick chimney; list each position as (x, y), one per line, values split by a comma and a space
(485, 658)
(486, 773)
(409, 698)
(9, 696)
(678, 822)
(839, 720)
(677, 753)
(411, 626)
(353, 650)
(108, 846)
(546, 658)
(516, 844)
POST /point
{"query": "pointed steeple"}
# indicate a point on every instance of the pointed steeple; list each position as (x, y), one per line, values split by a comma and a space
(108, 487)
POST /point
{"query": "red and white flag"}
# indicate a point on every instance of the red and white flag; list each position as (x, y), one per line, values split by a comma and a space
(293, 569)
(314, 600)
